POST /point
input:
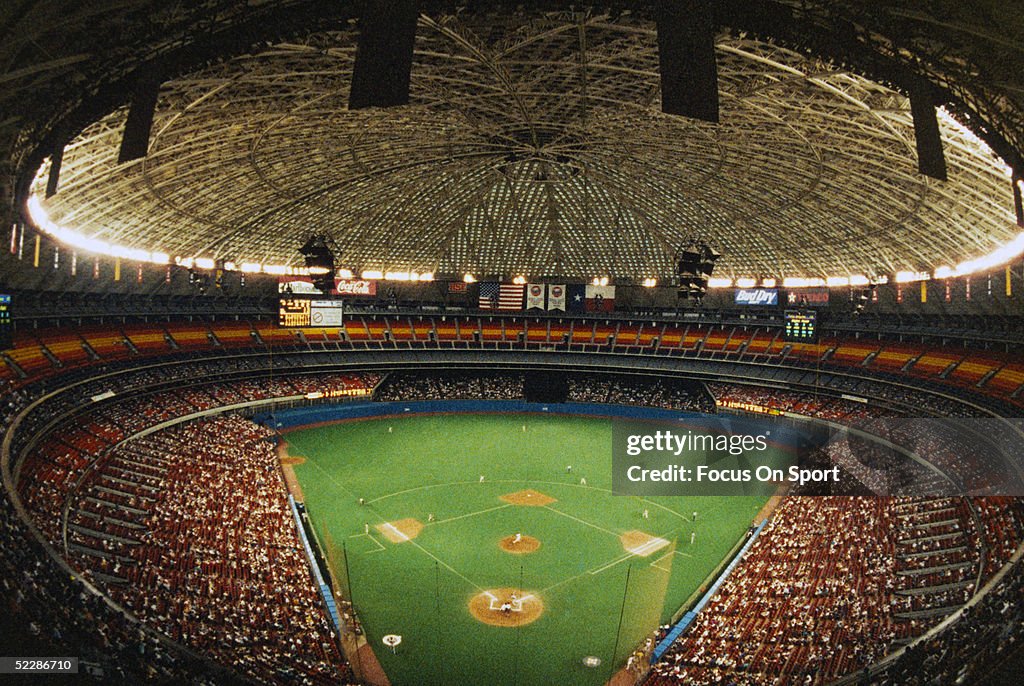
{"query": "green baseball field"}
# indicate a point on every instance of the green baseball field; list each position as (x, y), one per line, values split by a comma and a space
(493, 546)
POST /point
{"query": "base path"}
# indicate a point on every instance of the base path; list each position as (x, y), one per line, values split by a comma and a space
(526, 607)
(401, 531)
(287, 463)
(526, 544)
(640, 543)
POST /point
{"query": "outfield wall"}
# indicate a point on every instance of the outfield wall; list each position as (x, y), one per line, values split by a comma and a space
(323, 414)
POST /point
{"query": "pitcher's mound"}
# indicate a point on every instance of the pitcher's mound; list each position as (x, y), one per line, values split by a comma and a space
(401, 531)
(506, 607)
(526, 544)
(528, 497)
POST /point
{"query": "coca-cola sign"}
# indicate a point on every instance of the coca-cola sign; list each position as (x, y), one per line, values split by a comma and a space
(764, 297)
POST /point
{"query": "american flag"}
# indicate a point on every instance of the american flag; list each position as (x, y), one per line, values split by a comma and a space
(501, 296)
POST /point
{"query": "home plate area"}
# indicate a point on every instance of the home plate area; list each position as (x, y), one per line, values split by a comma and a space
(640, 544)
(506, 607)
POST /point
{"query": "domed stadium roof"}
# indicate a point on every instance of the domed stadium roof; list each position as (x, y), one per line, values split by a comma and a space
(535, 144)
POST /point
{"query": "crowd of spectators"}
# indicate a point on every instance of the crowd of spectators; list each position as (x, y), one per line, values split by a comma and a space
(190, 529)
(817, 596)
(810, 601)
(58, 606)
(450, 386)
(974, 647)
(671, 394)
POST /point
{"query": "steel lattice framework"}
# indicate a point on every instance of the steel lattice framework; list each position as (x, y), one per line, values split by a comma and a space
(537, 147)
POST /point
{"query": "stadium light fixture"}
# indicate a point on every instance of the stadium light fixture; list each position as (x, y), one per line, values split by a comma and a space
(719, 282)
(650, 283)
(837, 281)
(372, 274)
(344, 273)
(519, 280)
(859, 280)
(768, 283)
(468, 278)
(205, 262)
(746, 282)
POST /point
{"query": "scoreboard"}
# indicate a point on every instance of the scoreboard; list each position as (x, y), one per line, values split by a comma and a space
(801, 326)
(6, 333)
(294, 312)
(305, 312)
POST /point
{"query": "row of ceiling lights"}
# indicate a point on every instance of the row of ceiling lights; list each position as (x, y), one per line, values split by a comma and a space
(39, 217)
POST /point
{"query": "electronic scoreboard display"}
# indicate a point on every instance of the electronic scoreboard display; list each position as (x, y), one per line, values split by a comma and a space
(6, 333)
(801, 326)
(294, 312)
(297, 313)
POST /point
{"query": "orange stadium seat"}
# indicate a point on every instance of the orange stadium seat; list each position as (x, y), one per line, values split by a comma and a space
(648, 334)
(422, 328)
(447, 330)
(401, 330)
(272, 334)
(355, 329)
(148, 339)
(376, 328)
(759, 343)
(557, 332)
(491, 330)
(894, 357)
(715, 339)
(602, 332)
(627, 334)
(1007, 380)
(466, 328)
(853, 353)
(934, 363)
(108, 342)
(537, 331)
(582, 332)
(671, 337)
(64, 345)
(737, 337)
(190, 336)
(233, 334)
(974, 369)
(28, 354)
(513, 329)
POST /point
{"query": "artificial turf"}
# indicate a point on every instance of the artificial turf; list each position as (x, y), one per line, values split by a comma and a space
(598, 599)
